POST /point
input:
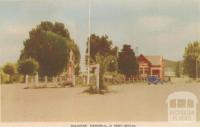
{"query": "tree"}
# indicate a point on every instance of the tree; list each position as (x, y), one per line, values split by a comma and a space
(103, 46)
(104, 62)
(128, 64)
(28, 66)
(4, 77)
(57, 28)
(178, 69)
(50, 44)
(103, 53)
(113, 64)
(50, 50)
(191, 59)
(9, 69)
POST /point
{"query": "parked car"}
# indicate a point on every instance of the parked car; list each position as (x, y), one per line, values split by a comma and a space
(154, 80)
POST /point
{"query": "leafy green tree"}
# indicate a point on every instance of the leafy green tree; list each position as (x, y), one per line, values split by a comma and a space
(104, 62)
(50, 51)
(10, 69)
(192, 59)
(178, 69)
(28, 66)
(103, 53)
(57, 28)
(103, 46)
(4, 77)
(50, 44)
(113, 64)
(128, 64)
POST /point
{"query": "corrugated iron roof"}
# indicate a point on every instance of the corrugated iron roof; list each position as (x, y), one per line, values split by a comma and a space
(155, 60)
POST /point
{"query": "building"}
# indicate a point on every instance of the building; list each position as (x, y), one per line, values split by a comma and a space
(150, 65)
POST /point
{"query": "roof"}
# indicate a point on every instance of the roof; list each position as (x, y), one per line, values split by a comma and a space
(142, 57)
(182, 95)
(154, 60)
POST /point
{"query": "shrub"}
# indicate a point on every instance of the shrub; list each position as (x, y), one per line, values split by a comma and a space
(4, 77)
(10, 70)
(28, 66)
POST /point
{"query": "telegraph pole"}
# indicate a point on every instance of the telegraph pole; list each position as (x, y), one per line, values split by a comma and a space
(88, 45)
(136, 51)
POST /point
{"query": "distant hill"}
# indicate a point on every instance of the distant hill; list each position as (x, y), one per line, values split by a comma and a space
(170, 63)
(170, 67)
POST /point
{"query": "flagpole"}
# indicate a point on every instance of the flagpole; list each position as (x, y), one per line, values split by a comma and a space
(88, 45)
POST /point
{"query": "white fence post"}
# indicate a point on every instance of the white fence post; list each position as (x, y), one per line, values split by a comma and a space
(45, 81)
(36, 80)
(26, 81)
(74, 80)
(32, 81)
(55, 80)
(97, 77)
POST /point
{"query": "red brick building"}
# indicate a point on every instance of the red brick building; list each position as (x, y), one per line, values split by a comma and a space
(150, 65)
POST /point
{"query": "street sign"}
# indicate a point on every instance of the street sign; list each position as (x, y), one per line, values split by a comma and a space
(96, 68)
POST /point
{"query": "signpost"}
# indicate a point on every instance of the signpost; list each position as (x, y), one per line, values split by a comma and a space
(96, 68)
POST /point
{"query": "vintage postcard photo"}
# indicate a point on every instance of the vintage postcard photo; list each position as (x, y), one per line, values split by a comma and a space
(100, 61)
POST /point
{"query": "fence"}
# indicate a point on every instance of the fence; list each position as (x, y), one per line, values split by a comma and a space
(40, 82)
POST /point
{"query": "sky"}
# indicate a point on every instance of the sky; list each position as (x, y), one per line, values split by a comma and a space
(155, 27)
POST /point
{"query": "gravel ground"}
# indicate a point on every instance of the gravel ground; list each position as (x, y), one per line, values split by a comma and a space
(133, 102)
